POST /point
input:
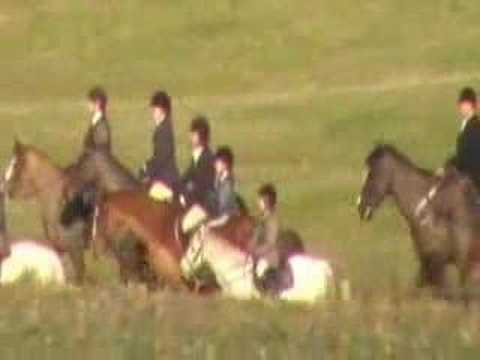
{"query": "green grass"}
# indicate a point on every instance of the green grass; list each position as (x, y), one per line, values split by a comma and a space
(302, 90)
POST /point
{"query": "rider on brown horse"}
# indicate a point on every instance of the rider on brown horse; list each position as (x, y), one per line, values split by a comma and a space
(162, 166)
(199, 179)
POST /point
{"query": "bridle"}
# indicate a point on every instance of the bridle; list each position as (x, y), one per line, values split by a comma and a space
(426, 200)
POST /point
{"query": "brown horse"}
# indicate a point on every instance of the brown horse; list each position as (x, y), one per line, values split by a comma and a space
(32, 175)
(157, 225)
(134, 214)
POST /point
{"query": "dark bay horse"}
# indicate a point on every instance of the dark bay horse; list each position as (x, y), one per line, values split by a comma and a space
(392, 174)
(454, 200)
(157, 225)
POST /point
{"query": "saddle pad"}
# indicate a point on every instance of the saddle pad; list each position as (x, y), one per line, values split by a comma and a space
(160, 192)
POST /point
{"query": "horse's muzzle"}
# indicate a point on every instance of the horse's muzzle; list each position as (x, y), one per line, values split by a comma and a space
(365, 211)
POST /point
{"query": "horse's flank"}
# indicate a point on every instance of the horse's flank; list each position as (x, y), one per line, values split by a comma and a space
(155, 225)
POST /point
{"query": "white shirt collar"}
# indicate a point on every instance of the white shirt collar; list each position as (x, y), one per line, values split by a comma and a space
(160, 121)
(465, 121)
(197, 152)
(97, 116)
(223, 176)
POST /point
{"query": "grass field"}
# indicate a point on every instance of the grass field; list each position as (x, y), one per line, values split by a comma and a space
(302, 90)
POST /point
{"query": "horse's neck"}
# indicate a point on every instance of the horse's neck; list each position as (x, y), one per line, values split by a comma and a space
(111, 176)
(410, 186)
(51, 183)
(224, 257)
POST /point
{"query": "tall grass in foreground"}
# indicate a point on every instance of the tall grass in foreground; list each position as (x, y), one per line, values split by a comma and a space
(115, 323)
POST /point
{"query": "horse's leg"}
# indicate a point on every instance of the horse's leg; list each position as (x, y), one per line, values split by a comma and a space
(434, 276)
(423, 278)
(431, 275)
(470, 280)
(78, 260)
(166, 267)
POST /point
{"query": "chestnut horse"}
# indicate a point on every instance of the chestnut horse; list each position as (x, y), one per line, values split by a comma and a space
(158, 226)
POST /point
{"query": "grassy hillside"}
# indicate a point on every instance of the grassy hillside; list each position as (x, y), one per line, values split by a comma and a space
(302, 90)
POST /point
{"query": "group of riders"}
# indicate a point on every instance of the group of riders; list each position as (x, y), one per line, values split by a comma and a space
(208, 182)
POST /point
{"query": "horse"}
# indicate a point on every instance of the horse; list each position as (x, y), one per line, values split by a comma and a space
(162, 228)
(99, 172)
(32, 175)
(237, 275)
(153, 224)
(22, 257)
(392, 174)
(102, 170)
(454, 200)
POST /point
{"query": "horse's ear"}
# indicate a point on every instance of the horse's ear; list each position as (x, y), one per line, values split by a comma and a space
(18, 146)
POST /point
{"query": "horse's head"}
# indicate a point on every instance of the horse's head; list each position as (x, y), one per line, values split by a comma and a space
(194, 256)
(377, 181)
(21, 173)
(452, 191)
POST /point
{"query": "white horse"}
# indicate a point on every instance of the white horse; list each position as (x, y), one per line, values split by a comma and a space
(32, 259)
(232, 267)
(234, 270)
(312, 279)
(26, 257)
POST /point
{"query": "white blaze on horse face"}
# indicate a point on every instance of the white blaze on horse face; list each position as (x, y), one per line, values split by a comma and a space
(10, 169)
(365, 175)
(359, 200)
(95, 223)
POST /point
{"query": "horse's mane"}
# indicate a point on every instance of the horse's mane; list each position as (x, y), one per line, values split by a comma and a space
(42, 156)
(382, 150)
(108, 158)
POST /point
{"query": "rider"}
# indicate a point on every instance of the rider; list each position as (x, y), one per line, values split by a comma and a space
(98, 134)
(226, 203)
(467, 158)
(199, 179)
(162, 168)
(266, 235)
(97, 138)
